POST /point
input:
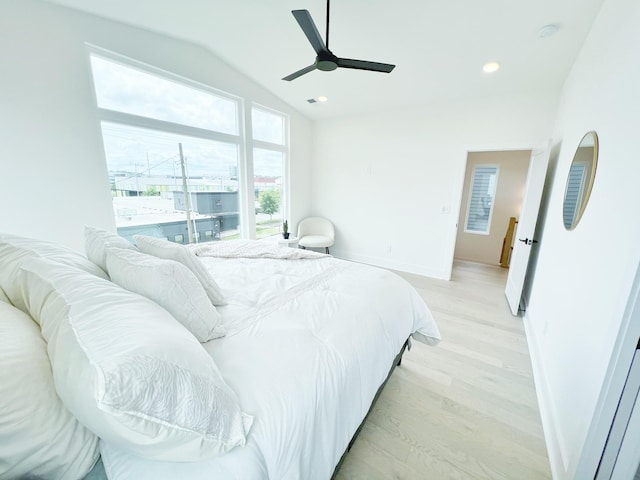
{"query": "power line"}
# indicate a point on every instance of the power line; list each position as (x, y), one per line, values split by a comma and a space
(154, 166)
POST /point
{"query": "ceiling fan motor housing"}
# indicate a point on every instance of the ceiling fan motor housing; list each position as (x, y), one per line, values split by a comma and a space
(326, 61)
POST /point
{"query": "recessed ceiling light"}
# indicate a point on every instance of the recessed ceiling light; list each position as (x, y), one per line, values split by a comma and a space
(322, 98)
(491, 67)
(547, 31)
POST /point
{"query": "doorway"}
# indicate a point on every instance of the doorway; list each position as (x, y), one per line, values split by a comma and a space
(493, 191)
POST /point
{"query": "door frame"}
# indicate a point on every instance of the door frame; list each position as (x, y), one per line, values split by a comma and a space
(455, 212)
(614, 381)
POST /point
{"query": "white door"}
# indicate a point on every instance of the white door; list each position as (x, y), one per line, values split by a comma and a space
(526, 227)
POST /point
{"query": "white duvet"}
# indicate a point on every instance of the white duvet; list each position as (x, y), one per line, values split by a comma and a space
(309, 342)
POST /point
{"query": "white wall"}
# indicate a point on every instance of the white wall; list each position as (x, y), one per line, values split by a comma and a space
(583, 277)
(385, 179)
(54, 177)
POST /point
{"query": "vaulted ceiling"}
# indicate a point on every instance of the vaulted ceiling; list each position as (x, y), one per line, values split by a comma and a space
(438, 46)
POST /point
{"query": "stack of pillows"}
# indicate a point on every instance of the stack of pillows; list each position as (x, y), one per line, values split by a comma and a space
(108, 346)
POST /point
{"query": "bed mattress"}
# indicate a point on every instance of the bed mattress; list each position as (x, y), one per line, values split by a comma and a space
(308, 343)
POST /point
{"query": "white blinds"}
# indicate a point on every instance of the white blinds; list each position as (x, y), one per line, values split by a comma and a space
(574, 186)
(481, 196)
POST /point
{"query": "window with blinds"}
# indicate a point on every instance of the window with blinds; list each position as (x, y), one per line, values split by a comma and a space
(482, 192)
(575, 184)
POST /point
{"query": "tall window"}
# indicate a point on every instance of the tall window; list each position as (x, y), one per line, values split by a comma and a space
(269, 167)
(481, 199)
(173, 152)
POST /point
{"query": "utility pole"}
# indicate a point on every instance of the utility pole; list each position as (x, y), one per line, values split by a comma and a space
(187, 200)
(135, 169)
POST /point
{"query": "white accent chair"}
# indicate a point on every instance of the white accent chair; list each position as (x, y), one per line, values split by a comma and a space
(316, 232)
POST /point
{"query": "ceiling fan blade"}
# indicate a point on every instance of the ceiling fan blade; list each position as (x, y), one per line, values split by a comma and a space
(309, 28)
(364, 65)
(299, 73)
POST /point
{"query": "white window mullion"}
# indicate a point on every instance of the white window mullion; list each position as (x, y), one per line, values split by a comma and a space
(247, 201)
(270, 146)
(162, 125)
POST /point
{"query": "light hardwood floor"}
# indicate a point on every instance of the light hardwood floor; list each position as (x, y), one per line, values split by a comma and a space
(465, 409)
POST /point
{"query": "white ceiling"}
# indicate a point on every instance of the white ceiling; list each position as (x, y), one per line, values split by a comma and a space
(438, 46)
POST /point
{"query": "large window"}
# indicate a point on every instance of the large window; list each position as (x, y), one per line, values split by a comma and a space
(174, 149)
(482, 193)
(269, 167)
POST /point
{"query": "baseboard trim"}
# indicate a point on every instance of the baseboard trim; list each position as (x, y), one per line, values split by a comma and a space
(391, 264)
(552, 435)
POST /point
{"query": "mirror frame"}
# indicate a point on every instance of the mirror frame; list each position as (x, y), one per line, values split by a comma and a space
(577, 216)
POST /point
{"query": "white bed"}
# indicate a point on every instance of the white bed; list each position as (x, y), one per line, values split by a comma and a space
(308, 344)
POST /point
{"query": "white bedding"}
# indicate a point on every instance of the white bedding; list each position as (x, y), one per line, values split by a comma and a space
(308, 344)
(252, 249)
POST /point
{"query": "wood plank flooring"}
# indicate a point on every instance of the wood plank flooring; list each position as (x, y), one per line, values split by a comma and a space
(466, 409)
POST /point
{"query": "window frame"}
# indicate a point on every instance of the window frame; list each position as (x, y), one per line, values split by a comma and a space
(116, 116)
(264, 145)
(493, 202)
(244, 140)
(245, 180)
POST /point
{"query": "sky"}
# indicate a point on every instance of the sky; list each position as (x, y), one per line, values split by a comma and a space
(134, 149)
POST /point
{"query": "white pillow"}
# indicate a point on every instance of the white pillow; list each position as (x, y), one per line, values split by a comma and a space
(128, 370)
(96, 242)
(38, 436)
(3, 297)
(15, 250)
(171, 285)
(161, 248)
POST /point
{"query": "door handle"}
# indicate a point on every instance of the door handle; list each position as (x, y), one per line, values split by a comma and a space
(527, 241)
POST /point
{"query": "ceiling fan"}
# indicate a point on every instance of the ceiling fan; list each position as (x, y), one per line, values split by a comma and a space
(325, 59)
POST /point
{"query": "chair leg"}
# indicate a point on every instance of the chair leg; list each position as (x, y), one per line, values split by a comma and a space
(326, 249)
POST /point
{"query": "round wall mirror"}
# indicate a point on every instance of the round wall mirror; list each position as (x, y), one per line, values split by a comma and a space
(580, 180)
